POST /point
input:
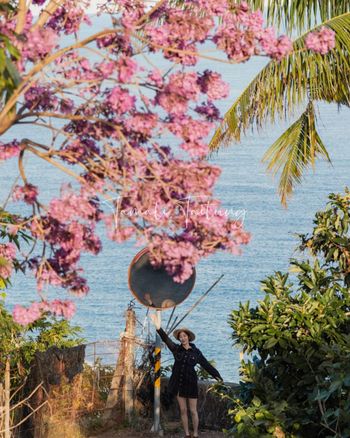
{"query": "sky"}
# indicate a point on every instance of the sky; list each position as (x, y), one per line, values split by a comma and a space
(92, 9)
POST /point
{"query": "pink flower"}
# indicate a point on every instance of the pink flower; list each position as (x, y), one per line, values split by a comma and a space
(195, 148)
(190, 129)
(209, 110)
(68, 18)
(217, 7)
(62, 308)
(7, 255)
(284, 47)
(40, 42)
(106, 68)
(25, 316)
(40, 98)
(126, 69)
(212, 85)
(8, 250)
(178, 256)
(9, 150)
(120, 100)
(46, 275)
(27, 193)
(181, 88)
(155, 77)
(184, 84)
(70, 206)
(321, 41)
(277, 48)
(122, 233)
(173, 103)
(142, 123)
(253, 21)
(85, 64)
(66, 106)
(118, 138)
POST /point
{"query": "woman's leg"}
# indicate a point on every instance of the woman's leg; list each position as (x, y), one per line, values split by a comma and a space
(194, 415)
(183, 413)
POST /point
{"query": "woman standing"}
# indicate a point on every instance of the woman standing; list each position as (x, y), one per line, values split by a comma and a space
(183, 380)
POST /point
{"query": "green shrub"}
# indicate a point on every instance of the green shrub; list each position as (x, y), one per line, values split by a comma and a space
(297, 380)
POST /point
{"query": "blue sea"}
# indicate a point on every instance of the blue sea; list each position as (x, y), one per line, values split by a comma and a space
(243, 186)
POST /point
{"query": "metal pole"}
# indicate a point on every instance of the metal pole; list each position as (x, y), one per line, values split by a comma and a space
(156, 413)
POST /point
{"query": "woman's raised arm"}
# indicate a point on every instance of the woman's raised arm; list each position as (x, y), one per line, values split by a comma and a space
(165, 338)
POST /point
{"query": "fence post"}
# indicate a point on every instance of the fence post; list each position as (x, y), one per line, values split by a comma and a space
(129, 362)
(113, 394)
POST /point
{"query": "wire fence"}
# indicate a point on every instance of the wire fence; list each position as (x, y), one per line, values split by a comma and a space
(103, 351)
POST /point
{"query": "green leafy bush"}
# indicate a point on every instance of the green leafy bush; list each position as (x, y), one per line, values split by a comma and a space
(20, 343)
(297, 380)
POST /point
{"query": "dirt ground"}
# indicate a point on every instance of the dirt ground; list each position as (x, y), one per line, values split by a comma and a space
(127, 433)
(173, 430)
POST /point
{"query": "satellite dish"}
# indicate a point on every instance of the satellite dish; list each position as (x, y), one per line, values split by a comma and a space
(154, 287)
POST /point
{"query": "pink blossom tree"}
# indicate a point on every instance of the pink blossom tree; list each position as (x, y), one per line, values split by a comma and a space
(110, 111)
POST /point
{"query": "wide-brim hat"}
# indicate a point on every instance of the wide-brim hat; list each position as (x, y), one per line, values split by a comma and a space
(191, 335)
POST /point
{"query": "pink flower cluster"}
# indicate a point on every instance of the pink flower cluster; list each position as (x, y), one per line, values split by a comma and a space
(71, 206)
(80, 150)
(213, 86)
(120, 101)
(192, 132)
(7, 255)
(178, 256)
(40, 42)
(40, 99)
(142, 125)
(68, 17)
(321, 41)
(25, 316)
(27, 193)
(275, 47)
(180, 89)
(9, 150)
(242, 35)
(68, 228)
(126, 68)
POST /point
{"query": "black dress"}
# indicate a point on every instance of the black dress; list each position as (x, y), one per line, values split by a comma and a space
(183, 380)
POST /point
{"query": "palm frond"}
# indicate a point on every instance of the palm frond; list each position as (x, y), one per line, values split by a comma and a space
(294, 151)
(299, 14)
(282, 86)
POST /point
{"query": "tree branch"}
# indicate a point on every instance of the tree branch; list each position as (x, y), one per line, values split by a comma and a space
(46, 14)
(21, 16)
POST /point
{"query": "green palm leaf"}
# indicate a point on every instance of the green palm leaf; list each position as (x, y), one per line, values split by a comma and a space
(300, 14)
(294, 151)
(281, 87)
